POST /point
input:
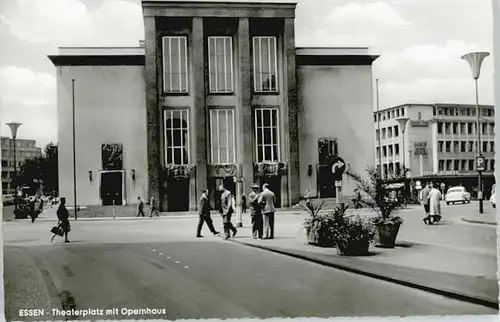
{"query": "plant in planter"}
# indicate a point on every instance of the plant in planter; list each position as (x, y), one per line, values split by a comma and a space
(352, 234)
(318, 226)
(378, 198)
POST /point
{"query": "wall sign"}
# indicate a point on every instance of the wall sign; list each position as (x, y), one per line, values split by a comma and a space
(420, 148)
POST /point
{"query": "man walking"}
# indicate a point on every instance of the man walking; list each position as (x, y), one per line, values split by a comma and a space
(424, 199)
(266, 201)
(226, 210)
(255, 213)
(153, 207)
(204, 213)
(140, 207)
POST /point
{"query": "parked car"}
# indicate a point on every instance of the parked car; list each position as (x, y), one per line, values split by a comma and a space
(8, 200)
(457, 194)
(493, 200)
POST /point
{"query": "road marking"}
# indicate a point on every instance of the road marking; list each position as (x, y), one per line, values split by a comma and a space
(186, 266)
(177, 262)
(153, 250)
(160, 254)
(168, 257)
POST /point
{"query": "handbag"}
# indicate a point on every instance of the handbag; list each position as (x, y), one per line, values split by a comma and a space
(57, 230)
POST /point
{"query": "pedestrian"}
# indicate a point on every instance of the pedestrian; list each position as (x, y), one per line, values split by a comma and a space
(435, 205)
(243, 204)
(255, 212)
(357, 199)
(153, 207)
(226, 210)
(140, 207)
(204, 214)
(424, 200)
(63, 216)
(266, 202)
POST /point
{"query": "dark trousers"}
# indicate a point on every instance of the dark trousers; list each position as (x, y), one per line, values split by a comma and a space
(257, 225)
(228, 226)
(140, 212)
(268, 225)
(205, 219)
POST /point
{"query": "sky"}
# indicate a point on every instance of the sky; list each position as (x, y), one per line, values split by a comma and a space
(420, 43)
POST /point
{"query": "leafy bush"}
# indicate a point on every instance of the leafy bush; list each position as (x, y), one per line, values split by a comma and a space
(377, 195)
(347, 229)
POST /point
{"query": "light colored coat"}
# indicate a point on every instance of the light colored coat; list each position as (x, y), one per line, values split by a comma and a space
(266, 198)
(435, 202)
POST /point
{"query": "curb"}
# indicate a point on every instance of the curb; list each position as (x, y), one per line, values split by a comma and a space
(449, 294)
(474, 221)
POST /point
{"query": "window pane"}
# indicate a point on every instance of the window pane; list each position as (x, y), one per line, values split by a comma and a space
(169, 155)
(267, 118)
(275, 151)
(267, 136)
(267, 152)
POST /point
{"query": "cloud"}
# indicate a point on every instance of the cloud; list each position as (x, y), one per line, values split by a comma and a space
(72, 23)
(430, 61)
(434, 90)
(22, 85)
(359, 24)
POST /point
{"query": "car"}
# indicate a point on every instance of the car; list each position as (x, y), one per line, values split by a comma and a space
(8, 200)
(457, 194)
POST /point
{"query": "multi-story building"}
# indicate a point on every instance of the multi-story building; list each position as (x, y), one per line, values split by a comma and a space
(440, 142)
(216, 94)
(25, 149)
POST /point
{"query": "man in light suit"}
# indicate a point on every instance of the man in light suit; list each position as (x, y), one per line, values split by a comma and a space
(226, 210)
(266, 201)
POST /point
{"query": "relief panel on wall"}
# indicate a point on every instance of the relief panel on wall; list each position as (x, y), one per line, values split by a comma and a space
(112, 156)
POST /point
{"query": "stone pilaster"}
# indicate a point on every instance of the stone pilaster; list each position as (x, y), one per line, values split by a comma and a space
(292, 109)
(245, 87)
(200, 144)
(152, 110)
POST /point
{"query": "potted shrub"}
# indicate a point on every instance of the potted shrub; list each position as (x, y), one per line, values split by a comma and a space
(375, 189)
(352, 234)
(318, 226)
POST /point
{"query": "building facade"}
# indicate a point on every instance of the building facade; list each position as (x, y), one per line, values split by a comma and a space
(217, 94)
(440, 142)
(25, 149)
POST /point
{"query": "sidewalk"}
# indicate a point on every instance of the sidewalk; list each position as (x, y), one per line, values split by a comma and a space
(485, 219)
(443, 270)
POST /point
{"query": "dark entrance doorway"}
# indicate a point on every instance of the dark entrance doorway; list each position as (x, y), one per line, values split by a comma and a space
(178, 194)
(326, 184)
(112, 188)
(228, 183)
(275, 186)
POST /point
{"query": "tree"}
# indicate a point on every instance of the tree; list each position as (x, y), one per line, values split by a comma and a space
(41, 171)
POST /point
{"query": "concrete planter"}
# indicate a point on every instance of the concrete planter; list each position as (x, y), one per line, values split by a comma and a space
(353, 247)
(387, 234)
(313, 238)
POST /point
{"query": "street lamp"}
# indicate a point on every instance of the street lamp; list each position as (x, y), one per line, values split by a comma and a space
(14, 126)
(402, 126)
(475, 61)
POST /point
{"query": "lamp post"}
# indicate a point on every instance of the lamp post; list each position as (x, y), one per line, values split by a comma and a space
(402, 126)
(14, 126)
(475, 61)
(379, 153)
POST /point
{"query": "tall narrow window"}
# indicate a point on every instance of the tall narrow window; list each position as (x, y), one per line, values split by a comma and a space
(220, 64)
(175, 70)
(223, 143)
(267, 134)
(176, 136)
(265, 65)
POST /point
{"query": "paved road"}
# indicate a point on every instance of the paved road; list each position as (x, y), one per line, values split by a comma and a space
(451, 231)
(158, 264)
